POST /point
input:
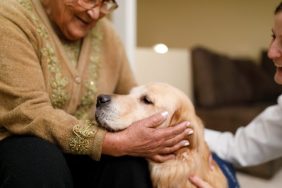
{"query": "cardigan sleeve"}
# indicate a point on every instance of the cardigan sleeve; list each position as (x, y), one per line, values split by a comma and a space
(25, 106)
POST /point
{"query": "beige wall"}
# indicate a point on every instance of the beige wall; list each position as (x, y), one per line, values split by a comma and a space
(173, 67)
(235, 27)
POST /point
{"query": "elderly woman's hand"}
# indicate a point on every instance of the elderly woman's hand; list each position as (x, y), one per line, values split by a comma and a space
(143, 139)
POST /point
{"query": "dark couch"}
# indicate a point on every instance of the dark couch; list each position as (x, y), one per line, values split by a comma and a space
(230, 92)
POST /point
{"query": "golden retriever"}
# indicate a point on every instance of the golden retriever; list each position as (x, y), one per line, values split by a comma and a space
(116, 112)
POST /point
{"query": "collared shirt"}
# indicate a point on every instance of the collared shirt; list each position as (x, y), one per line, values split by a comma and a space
(256, 143)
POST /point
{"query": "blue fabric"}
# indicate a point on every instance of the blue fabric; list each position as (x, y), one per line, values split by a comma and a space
(228, 170)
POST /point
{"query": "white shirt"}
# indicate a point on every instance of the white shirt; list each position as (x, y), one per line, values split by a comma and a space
(258, 142)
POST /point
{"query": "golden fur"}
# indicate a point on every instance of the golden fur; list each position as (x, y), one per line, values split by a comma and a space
(146, 100)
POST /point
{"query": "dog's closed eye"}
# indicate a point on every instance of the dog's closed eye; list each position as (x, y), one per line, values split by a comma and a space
(146, 100)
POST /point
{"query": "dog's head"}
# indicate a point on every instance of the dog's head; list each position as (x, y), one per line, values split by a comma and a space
(117, 112)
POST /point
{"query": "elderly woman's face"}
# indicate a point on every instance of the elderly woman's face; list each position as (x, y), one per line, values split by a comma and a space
(275, 48)
(73, 21)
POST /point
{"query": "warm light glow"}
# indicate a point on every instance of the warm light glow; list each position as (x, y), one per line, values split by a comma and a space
(161, 48)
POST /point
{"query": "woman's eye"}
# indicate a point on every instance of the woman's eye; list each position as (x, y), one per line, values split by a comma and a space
(146, 100)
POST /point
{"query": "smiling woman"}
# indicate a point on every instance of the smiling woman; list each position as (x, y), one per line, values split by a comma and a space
(75, 18)
(55, 57)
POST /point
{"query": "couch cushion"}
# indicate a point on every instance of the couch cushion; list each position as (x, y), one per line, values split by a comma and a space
(222, 80)
(261, 84)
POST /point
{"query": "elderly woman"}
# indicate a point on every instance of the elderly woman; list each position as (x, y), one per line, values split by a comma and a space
(55, 57)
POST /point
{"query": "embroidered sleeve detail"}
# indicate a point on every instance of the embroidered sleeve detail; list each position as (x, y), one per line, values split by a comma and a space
(87, 139)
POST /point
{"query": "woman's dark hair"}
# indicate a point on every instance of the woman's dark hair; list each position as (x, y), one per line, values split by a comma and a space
(278, 8)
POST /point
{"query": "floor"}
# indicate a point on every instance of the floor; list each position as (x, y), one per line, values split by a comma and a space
(247, 181)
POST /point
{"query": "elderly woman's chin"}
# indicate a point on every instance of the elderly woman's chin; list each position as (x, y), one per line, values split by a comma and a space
(76, 33)
(73, 36)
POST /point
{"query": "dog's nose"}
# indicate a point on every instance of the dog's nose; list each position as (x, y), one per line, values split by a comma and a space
(102, 100)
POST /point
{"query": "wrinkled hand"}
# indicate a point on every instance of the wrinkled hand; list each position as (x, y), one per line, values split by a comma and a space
(198, 182)
(143, 139)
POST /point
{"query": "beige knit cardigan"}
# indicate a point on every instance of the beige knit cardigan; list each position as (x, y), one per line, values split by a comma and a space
(42, 93)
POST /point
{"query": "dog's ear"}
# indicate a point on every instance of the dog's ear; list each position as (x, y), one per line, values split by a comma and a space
(187, 114)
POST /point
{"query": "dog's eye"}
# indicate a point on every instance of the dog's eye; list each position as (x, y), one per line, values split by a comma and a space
(146, 100)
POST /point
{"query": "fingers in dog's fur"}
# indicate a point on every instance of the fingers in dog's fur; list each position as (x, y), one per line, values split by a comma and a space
(173, 131)
(179, 138)
(174, 148)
